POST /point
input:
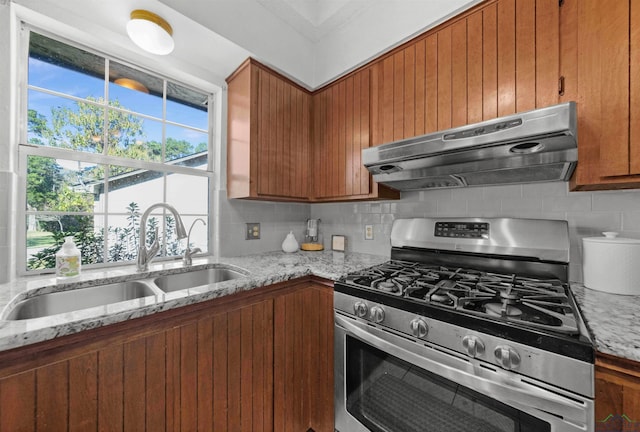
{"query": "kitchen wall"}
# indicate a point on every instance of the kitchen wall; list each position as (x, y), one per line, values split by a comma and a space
(276, 220)
(588, 213)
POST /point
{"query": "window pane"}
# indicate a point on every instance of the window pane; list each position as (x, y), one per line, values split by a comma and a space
(62, 185)
(56, 66)
(134, 90)
(196, 201)
(183, 142)
(46, 232)
(60, 122)
(133, 189)
(134, 137)
(187, 106)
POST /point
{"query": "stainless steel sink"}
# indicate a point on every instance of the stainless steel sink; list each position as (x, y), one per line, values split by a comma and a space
(67, 301)
(192, 279)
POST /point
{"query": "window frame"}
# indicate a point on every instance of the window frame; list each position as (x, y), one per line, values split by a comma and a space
(25, 149)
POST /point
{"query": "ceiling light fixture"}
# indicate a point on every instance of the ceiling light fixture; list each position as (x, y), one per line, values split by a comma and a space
(150, 32)
(131, 84)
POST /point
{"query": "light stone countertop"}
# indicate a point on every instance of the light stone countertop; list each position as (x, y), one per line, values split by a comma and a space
(263, 269)
(612, 319)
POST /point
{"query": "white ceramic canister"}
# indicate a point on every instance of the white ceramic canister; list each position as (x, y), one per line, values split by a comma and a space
(611, 264)
(290, 244)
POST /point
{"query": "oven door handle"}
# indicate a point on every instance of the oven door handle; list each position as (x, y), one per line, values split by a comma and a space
(505, 386)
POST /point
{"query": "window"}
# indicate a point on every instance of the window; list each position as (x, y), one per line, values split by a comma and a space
(102, 142)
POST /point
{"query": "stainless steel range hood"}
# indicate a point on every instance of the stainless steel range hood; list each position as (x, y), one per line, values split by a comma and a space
(533, 146)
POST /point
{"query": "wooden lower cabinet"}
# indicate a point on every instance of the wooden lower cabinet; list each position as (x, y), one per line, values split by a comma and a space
(255, 361)
(617, 394)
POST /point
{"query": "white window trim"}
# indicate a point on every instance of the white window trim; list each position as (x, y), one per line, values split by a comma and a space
(24, 149)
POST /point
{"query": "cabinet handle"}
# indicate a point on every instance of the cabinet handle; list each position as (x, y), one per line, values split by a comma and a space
(561, 86)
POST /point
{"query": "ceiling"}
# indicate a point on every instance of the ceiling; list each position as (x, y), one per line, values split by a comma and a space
(310, 41)
(315, 18)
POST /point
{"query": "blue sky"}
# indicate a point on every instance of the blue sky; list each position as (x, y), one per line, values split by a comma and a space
(53, 77)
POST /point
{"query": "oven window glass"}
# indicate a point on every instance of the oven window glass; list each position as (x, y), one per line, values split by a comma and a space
(387, 394)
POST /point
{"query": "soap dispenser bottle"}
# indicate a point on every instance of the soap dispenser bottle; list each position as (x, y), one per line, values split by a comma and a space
(68, 259)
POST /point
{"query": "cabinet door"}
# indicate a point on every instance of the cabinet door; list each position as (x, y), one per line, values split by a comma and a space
(269, 123)
(600, 58)
(212, 373)
(617, 394)
(341, 131)
(493, 61)
(283, 113)
(303, 363)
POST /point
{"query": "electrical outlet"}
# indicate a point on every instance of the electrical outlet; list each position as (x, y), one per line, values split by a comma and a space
(252, 231)
(368, 232)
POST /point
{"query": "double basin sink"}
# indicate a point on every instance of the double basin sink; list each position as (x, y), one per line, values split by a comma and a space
(53, 303)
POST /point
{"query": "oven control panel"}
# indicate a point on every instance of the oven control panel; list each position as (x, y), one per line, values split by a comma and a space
(471, 230)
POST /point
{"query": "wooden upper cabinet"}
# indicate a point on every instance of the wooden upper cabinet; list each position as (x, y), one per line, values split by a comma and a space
(341, 129)
(269, 123)
(499, 58)
(601, 63)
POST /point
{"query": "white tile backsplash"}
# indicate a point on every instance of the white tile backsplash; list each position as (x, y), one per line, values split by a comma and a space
(588, 213)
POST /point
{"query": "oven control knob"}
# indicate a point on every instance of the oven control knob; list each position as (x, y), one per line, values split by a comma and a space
(473, 345)
(419, 328)
(507, 357)
(360, 309)
(377, 314)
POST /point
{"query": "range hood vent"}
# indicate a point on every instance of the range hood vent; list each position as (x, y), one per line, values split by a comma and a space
(529, 147)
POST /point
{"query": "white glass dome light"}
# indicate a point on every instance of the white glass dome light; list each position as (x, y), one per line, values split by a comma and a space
(150, 32)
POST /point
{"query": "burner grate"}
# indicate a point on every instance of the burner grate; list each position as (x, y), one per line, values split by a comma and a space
(539, 303)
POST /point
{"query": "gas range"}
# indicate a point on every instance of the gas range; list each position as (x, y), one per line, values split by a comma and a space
(528, 301)
(491, 289)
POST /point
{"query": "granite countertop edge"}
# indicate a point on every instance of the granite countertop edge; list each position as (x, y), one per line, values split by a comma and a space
(260, 270)
(612, 319)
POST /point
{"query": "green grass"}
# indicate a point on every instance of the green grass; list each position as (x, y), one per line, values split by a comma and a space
(39, 239)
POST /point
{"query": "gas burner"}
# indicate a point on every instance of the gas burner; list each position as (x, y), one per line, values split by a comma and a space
(502, 310)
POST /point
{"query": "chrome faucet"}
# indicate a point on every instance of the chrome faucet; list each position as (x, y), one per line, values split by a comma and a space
(188, 252)
(146, 255)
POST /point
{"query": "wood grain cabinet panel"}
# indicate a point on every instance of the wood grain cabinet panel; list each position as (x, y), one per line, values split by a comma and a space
(601, 62)
(269, 122)
(341, 130)
(257, 361)
(499, 58)
(617, 394)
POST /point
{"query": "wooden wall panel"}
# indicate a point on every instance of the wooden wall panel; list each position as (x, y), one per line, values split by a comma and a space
(490, 62)
(634, 89)
(420, 86)
(459, 73)
(220, 377)
(506, 44)
(432, 85)
(52, 407)
(387, 100)
(409, 110)
(365, 128)
(444, 78)
(110, 389)
(189, 377)
(547, 52)
(156, 378)
(398, 96)
(18, 402)
(134, 385)
(348, 136)
(474, 68)
(525, 33)
(83, 393)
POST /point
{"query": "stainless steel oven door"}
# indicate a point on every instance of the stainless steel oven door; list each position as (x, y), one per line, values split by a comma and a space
(389, 382)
